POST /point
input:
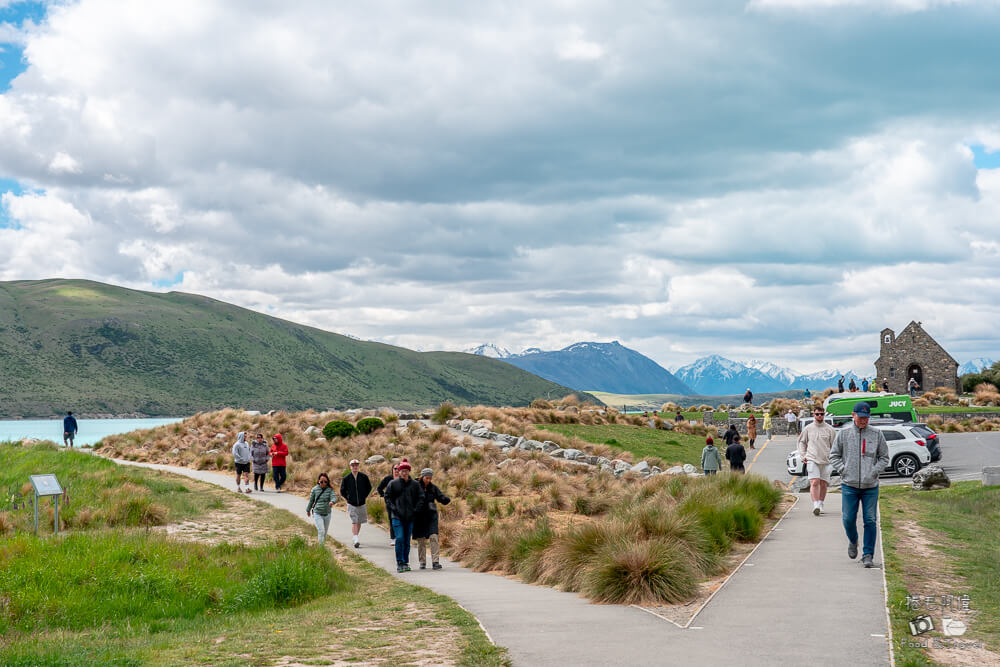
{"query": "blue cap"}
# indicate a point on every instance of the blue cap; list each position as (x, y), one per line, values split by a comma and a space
(862, 409)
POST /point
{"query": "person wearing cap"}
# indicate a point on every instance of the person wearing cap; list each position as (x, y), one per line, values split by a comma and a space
(859, 454)
(382, 486)
(425, 522)
(354, 488)
(814, 450)
(711, 459)
(736, 455)
(404, 495)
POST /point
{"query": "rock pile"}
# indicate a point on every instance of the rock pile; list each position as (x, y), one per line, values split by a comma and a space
(575, 457)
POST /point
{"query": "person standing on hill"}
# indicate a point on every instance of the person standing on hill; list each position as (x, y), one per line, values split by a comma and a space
(70, 428)
(860, 454)
(711, 459)
(279, 452)
(752, 430)
(840, 385)
(241, 457)
(259, 453)
(814, 450)
(736, 455)
(321, 499)
(405, 495)
(388, 506)
(425, 520)
(355, 488)
(748, 397)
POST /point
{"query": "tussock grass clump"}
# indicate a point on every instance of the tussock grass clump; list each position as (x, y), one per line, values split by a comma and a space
(647, 572)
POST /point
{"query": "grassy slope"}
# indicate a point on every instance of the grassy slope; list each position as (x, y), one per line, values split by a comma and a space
(90, 347)
(643, 442)
(155, 602)
(966, 519)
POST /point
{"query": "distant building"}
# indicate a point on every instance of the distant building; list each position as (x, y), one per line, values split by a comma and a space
(914, 354)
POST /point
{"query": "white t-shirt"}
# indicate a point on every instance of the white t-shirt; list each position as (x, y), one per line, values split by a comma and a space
(790, 417)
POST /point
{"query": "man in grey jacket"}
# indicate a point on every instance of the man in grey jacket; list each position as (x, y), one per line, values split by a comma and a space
(860, 454)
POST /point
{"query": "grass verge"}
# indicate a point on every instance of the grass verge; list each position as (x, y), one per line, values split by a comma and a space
(667, 445)
(943, 543)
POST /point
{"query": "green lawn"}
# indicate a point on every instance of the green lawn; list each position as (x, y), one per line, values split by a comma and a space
(962, 526)
(643, 442)
(249, 586)
(948, 409)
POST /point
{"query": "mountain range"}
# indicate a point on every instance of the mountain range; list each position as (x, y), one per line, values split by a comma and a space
(975, 365)
(95, 348)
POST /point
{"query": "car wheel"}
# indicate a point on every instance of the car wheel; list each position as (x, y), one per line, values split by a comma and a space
(905, 465)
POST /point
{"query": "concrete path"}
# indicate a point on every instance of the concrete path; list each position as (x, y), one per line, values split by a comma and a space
(797, 600)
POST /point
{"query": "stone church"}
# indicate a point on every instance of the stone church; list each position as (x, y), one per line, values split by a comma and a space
(914, 354)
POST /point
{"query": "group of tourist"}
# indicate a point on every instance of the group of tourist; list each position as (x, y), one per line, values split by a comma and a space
(411, 508)
(867, 385)
(260, 457)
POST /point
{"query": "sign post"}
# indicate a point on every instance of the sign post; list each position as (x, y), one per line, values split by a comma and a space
(47, 485)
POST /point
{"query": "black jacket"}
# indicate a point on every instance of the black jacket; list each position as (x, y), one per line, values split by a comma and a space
(425, 521)
(730, 432)
(429, 495)
(736, 455)
(355, 492)
(383, 484)
(405, 498)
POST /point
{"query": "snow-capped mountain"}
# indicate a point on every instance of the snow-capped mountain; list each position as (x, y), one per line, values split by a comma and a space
(975, 365)
(715, 376)
(780, 373)
(820, 380)
(490, 350)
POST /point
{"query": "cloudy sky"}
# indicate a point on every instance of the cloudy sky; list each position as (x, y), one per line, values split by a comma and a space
(777, 179)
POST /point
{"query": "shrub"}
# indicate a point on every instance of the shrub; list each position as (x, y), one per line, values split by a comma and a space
(369, 424)
(541, 404)
(444, 412)
(529, 548)
(338, 428)
(649, 572)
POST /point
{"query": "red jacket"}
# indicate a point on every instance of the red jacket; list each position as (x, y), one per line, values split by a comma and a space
(279, 450)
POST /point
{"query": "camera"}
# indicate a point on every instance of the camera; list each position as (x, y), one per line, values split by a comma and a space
(920, 625)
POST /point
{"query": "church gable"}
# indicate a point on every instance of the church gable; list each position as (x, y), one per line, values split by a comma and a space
(914, 336)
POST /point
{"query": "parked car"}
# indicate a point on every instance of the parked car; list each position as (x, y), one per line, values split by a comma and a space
(911, 447)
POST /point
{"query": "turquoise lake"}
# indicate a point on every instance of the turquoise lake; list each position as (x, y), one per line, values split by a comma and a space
(90, 430)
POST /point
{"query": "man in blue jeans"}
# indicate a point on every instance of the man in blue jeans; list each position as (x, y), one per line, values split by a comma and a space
(860, 454)
(404, 494)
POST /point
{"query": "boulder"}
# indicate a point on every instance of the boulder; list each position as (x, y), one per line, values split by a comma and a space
(220, 436)
(376, 458)
(930, 478)
(212, 451)
(590, 459)
(549, 446)
(506, 462)
(622, 466)
(312, 430)
(641, 467)
(557, 453)
(466, 425)
(601, 460)
(667, 426)
(453, 423)
(485, 423)
(530, 445)
(457, 451)
(606, 466)
(480, 432)
(572, 454)
(676, 470)
(655, 470)
(520, 439)
(688, 468)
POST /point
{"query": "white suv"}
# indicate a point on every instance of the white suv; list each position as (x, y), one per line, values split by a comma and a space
(908, 451)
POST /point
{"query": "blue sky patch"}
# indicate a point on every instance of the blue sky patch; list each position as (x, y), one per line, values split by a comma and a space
(984, 159)
(7, 185)
(169, 282)
(11, 63)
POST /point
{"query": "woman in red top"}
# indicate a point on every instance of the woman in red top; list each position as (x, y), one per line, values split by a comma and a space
(279, 450)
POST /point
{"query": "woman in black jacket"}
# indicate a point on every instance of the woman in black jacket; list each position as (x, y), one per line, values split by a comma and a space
(425, 523)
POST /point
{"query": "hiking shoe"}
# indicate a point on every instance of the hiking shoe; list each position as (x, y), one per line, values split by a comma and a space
(407, 568)
(400, 568)
(436, 566)
(423, 566)
(867, 561)
(816, 511)
(852, 550)
(357, 545)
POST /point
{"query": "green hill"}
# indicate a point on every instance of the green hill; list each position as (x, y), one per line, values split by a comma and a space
(95, 348)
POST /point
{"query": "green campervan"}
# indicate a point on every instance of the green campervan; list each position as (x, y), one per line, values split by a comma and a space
(892, 406)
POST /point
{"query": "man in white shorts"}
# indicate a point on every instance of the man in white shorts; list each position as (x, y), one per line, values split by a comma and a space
(814, 448)
(355, 487)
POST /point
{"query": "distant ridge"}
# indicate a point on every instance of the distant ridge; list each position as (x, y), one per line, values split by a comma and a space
(95, 348)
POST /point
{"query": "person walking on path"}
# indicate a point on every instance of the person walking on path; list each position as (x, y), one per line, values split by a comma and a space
(711, 459)
(860, 454)
(840, 385)
(241, 457)
(259, 453)
(279, 452)
(768, 427)
(425, 520)
(730, 433)
(70, 427)
(752, 430)
(748, 397)
(814, 450)
(321, 499)
(793, 422)
(736, 455)
(355, 488)
(404, 495)
(388, 506)
(912, 387)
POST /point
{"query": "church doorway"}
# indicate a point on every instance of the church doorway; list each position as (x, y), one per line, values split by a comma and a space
(915, 372)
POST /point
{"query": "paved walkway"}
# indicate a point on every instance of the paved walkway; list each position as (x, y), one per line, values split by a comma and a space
(798, 600)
